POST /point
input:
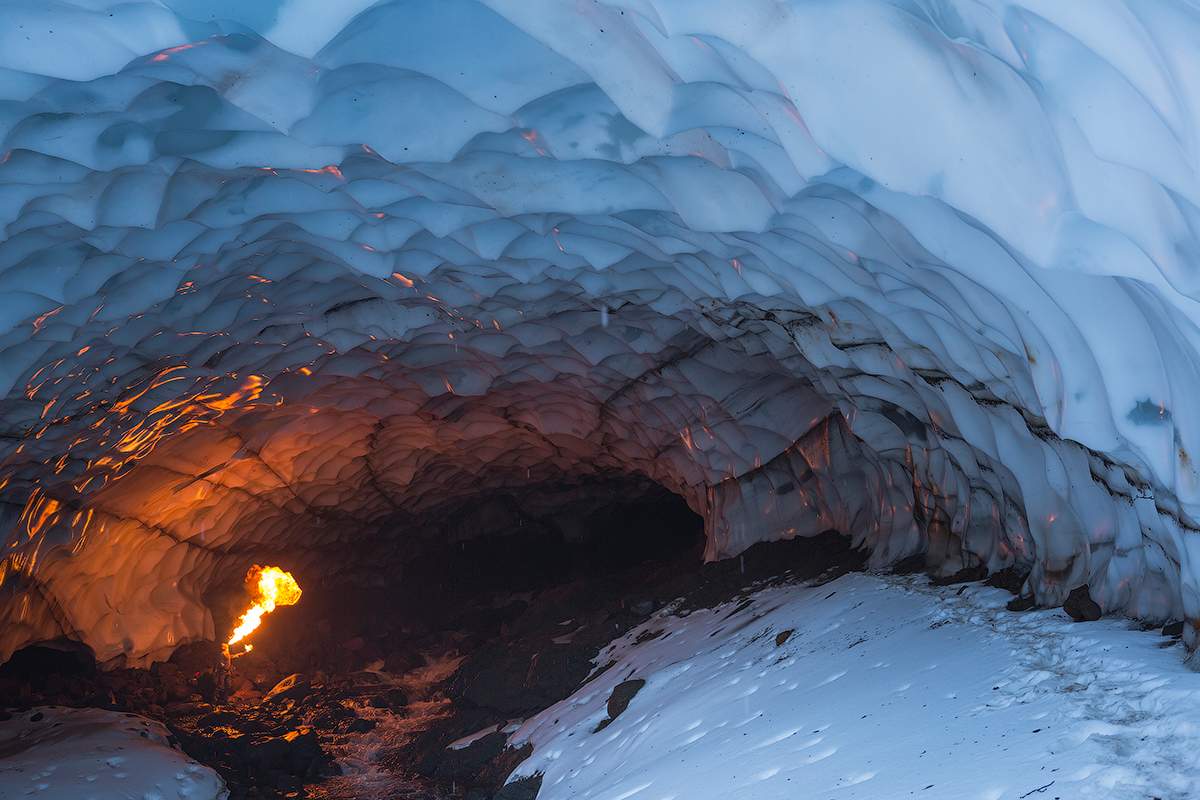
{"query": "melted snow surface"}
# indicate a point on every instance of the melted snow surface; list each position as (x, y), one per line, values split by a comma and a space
(888, 688)
(86, 754)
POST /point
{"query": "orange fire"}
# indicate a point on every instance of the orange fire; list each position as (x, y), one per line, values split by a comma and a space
(271, 587)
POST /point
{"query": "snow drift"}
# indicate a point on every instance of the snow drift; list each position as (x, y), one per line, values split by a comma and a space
(871, 687)
(64, 753)
(278, 276)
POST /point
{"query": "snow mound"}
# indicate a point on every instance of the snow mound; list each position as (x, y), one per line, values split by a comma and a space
(276, 277)
(884, 687)
(58, 753)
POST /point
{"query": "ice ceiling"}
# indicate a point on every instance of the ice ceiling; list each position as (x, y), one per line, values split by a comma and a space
(278, 276)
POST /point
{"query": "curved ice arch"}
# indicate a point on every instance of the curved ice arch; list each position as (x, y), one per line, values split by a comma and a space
(940, 251)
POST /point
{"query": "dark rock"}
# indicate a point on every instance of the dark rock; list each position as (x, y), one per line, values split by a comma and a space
(396, 698)
(1011, 579)
(392, 699)
(782, 637)
(165, 670)
(206, 686)
(42, 664)
(329, 716)
(1080, 606)
(497, 771)
(465, 764)
(649, 636)
(622, 695)
(37, 717)
(521, 789)
(197, 657)
(1173, 629)
(964, 575)
(261, 671)
(173, 683)
(910, 565)
(827, 555)
(218, 719)
(485, 621)
(515, 679)
(268, 753)
(293, 687)
(402, 661)
(294, 752)
(361, 725)
(427, 748)
(425, 751)
(1021, 603)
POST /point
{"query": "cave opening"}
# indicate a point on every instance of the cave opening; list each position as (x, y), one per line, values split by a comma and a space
(463, 573)
(472, 617)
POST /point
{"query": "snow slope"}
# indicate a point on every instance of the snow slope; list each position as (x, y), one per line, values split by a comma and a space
(56, 753)
(887, 688)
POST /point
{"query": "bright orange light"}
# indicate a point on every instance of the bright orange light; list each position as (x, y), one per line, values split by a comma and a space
(330, 169)
(271, 587)
(170, 51)
(41, 320)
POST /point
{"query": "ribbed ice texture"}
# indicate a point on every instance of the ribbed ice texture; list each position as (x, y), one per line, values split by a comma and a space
(276, 275)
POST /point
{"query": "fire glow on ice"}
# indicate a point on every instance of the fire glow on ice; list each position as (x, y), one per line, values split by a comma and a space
(924, 273)
(885, 688)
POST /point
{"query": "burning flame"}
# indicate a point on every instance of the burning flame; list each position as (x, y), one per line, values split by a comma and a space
(271, 587)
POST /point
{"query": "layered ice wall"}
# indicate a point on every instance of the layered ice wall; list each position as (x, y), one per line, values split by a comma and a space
(278, 275)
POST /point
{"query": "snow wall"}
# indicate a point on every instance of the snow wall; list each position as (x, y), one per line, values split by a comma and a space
(278, 275)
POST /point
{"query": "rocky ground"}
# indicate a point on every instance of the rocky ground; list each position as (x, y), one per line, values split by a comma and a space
(359, 706)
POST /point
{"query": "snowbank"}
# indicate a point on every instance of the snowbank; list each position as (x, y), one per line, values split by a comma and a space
(59, 753)
(885, 687)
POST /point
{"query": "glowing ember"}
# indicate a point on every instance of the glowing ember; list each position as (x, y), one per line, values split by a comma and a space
(271, 587)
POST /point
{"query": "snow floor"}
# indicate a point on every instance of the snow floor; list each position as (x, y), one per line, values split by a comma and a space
(56, 753)
(888, 688)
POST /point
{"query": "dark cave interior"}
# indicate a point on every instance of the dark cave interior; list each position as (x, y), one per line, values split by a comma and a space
(413, 654)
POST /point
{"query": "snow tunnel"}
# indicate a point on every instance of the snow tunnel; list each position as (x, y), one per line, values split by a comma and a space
(321, 283)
